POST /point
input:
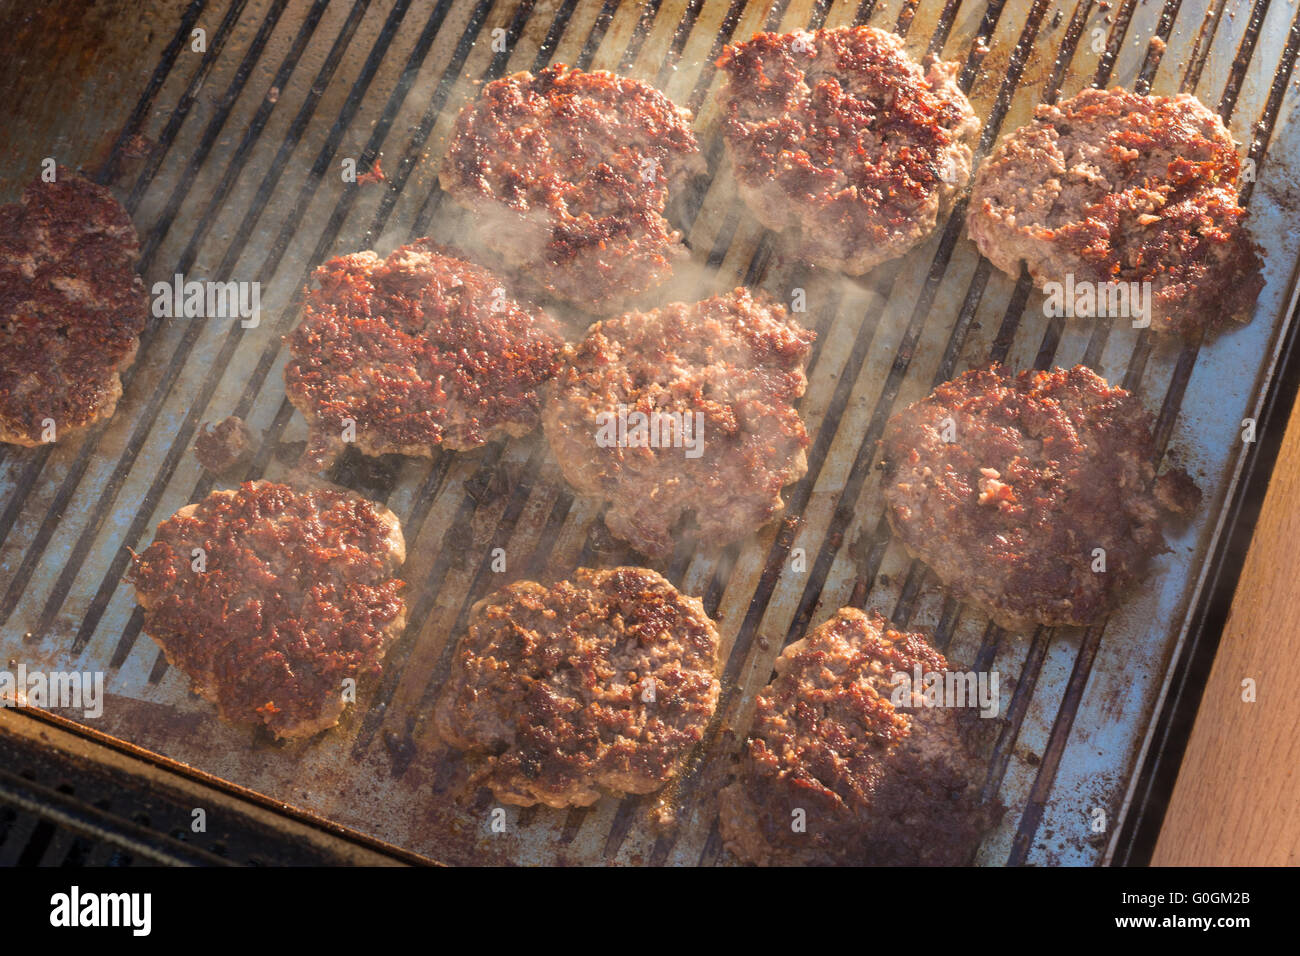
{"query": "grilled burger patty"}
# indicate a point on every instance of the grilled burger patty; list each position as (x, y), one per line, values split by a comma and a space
(1005, 485)
(568, 174)
(878, 784)
(842, 137)
(1112, 186)
(293, 594)
(71, 307)
(724, 373)
(419, 350)
(602, 683)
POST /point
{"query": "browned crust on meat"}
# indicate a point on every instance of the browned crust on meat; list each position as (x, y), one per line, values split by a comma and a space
(296, 596)
(738, 361)
(878, 784)
(603, 684)
(226, 446)
(1043, 468)
(71, 307)
(842, 137)
(420, 350)
(1112, 186)
(568, 173)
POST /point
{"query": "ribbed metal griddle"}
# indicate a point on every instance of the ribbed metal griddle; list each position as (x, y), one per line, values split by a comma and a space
(241, 182)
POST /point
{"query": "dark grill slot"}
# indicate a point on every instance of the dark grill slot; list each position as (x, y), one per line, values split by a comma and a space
(123, 812)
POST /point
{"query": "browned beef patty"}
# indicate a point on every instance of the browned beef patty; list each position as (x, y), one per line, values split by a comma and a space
(568, 174)
(600, 684)
(841, 137)
(877, 784)
(1112, 186)
(1041, 469)
(724, 375)
(418, 350)
(71, 307)
(291, 594)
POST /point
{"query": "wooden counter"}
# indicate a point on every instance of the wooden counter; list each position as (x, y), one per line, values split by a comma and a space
(1237, 798)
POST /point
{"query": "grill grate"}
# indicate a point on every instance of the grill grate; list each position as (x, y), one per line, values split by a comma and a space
(245, 185)
(66, 801)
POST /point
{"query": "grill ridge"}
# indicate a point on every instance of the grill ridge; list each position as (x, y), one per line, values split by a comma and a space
(214, 128)
(108, 171)
(159, 152)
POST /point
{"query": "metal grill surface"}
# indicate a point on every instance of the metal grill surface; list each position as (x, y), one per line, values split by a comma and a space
(242, 182)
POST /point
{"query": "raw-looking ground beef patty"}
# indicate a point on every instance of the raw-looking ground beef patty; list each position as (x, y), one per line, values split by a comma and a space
(841, 137)
(418, 350)
(878, 784)
(71, 307)
(568, 174)
(1112, 186)
(291, 594)
(602, 684)
(724, 375)
(1006, 485)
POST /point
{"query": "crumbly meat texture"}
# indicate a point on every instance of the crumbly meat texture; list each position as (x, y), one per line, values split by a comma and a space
(420, 350)
(879, 784)
(841, 137)
(603, 684)
(1112, 186)
(294, 595)
(225, 446)
(71, 307)
(1041, 470)
(568, 174)
(730, 370)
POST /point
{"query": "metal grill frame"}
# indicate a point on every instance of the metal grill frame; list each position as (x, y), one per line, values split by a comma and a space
(23, 472)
